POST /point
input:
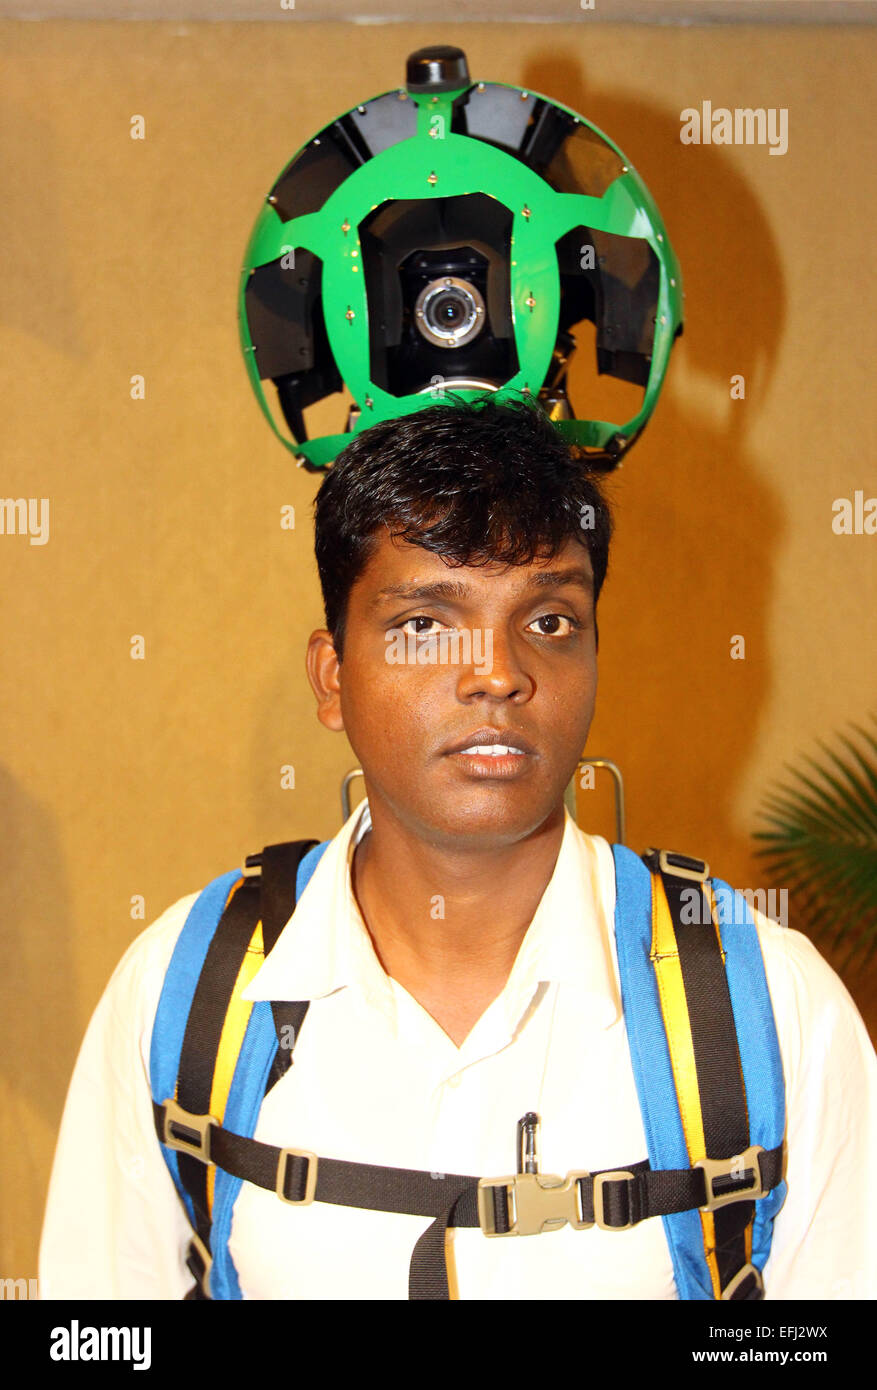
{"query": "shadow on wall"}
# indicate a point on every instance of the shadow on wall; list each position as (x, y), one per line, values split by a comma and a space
(39, 1016)
(697, 528)
(29, 235)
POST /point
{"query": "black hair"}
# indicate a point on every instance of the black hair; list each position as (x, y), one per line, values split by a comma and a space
(476, 482)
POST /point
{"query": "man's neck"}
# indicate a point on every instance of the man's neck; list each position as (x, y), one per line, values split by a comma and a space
(451, 921)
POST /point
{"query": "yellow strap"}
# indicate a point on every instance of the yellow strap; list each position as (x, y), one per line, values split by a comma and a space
(231, 1039)
(674, 1007)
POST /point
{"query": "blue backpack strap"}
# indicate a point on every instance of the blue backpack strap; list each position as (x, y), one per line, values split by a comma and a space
(175, 1001)
(653, 1070)
(759, 1048)
(253, 1065)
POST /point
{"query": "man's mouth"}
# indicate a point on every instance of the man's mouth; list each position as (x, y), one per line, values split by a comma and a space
(492, 753)
(492, 742)
(494, 750)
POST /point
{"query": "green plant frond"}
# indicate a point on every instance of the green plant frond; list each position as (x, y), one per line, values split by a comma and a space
(836, 799)
(847, 803)
(870, 739)
(818, 838)
(861, 788)
(793, 804)
(866, 767)
(795, 808)
(824, 797)
(820, 908)
(823, 861)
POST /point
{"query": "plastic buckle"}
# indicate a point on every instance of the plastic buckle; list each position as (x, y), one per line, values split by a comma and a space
(310, 1180)
(252, 866)
(681, 865)
(728, 1293)
(733, 1168)
(599, 1180)
(198, 1126)
(537, 1202)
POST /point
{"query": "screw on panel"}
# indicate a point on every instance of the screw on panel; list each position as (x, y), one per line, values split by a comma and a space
(369, 402)
(345, 226)
(432, 178)
(350, 315)
(525, 211)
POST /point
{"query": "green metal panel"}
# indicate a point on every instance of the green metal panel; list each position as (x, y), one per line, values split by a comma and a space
(436, 163)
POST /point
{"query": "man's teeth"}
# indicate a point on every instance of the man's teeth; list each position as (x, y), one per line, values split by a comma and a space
(493, 750)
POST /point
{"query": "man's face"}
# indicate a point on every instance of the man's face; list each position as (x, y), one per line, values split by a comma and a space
(513, 659)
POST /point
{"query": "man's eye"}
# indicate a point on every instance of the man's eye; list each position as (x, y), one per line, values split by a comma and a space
(550, 625)
(429, 628)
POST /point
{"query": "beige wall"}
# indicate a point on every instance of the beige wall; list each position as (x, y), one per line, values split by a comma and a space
(124, 777)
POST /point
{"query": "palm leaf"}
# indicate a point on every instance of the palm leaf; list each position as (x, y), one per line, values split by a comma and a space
(820, 842)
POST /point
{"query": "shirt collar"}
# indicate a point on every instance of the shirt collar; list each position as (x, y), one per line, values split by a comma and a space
(325, 946)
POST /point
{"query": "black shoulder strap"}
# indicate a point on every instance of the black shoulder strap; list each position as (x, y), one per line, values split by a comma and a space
(204, 1029)
(279, 869)
(268, 895)
(720, 1082)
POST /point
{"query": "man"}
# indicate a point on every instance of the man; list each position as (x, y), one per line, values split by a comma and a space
(456, 940)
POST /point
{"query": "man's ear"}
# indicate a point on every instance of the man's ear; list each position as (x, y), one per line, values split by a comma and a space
(324, 671)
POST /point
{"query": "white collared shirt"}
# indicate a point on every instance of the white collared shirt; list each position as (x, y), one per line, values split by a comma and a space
(376, 1080)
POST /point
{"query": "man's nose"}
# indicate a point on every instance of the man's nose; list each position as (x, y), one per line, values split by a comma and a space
(498, 668)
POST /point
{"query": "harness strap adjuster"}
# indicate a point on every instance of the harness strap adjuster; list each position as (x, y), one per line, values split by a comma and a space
(187, 1132)
(736, 1179)
(198, 1251)
(536, 1202)
(749, 1271)
(283, 1163)
(600, 1179)
(676, 865)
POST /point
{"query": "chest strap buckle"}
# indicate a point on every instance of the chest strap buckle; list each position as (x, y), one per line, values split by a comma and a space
(735, 1179)
(534, 1202)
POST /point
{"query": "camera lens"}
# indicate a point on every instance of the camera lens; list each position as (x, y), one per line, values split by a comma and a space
(449, 313)
(449, 309)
